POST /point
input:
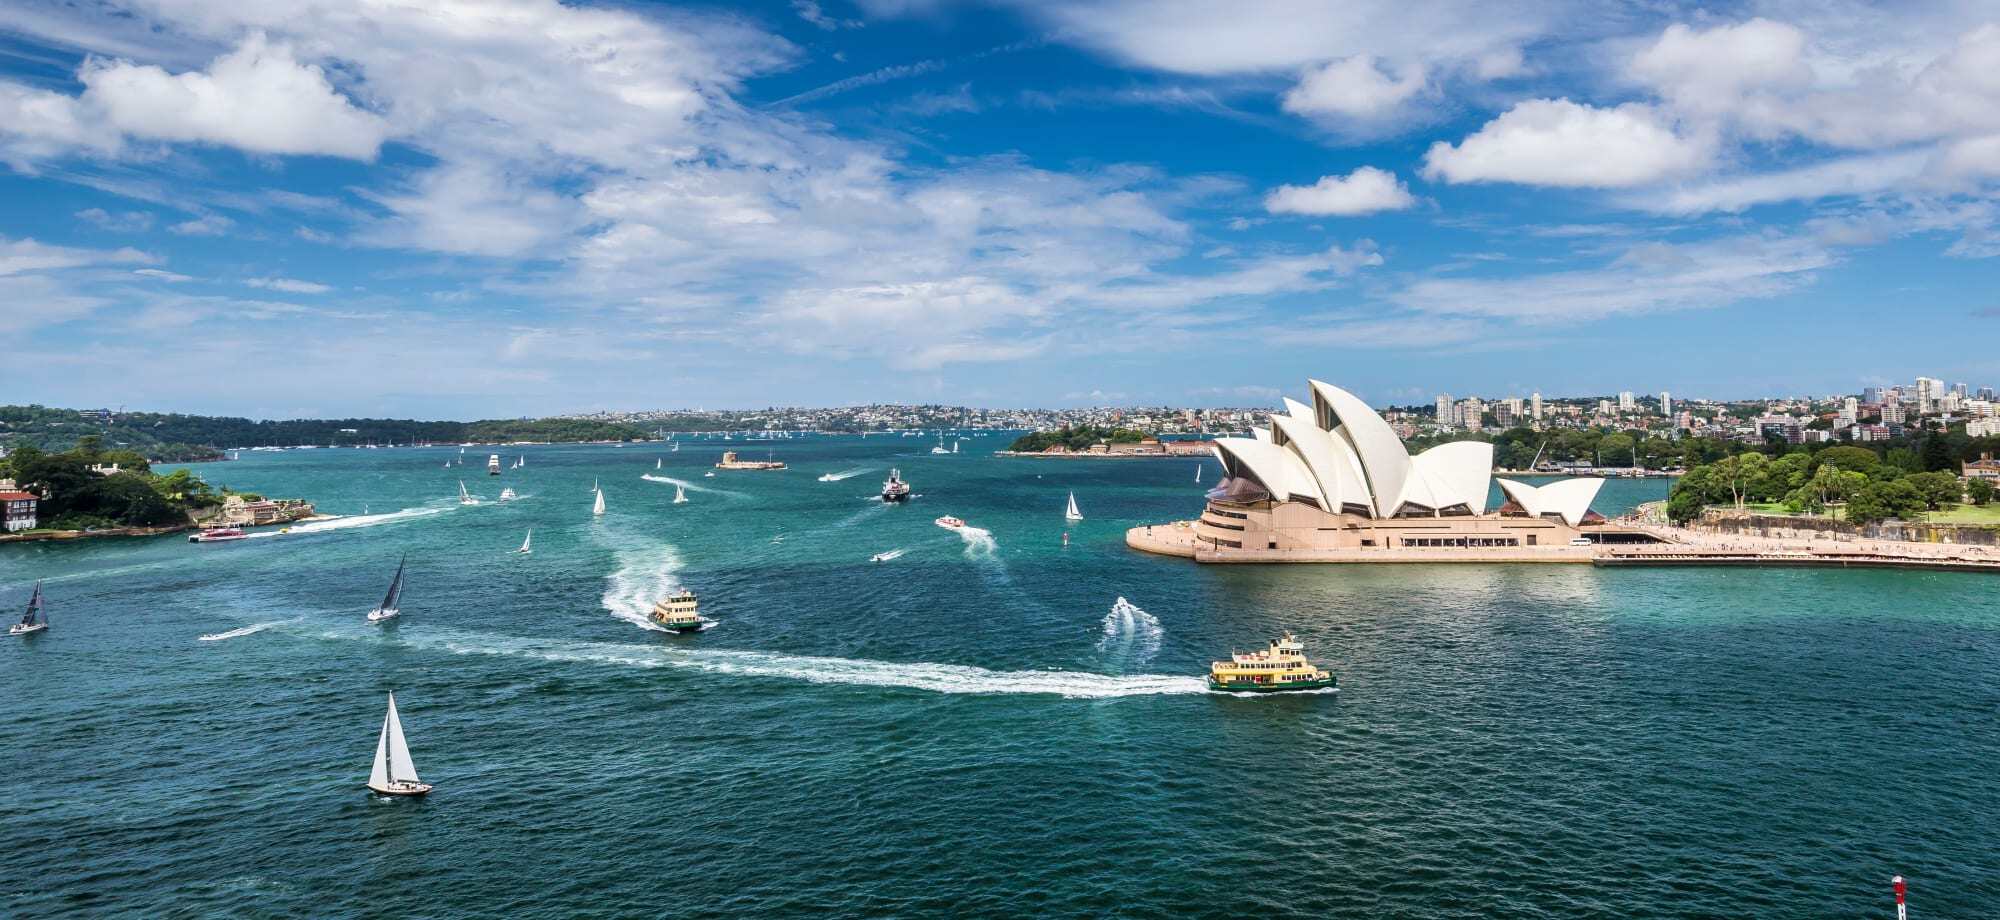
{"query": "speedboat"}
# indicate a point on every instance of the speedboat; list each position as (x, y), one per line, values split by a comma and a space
(950, 523)
(219, 535)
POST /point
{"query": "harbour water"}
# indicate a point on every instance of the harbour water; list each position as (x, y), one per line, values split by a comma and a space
(969, 728)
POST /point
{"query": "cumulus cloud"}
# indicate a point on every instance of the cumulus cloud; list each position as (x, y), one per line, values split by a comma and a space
(1563, 143)
(1366, 190)
(205, 225)
(257, 98)
(288, 285)
(1354, 88)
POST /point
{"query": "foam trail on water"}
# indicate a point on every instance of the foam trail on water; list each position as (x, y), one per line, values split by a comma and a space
(979, 542)
(1130, 633)
(644, 575)
(244, 631)
(845, 474)
(354, 520)
(890, 555)
(689, 485)
(938, 678)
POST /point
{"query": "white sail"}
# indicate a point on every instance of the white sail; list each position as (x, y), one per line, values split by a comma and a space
(1072, 513)
(392, 753)
(527, 543)
(598, 508)
(680, 495)
(658, 461)
(1197, 472)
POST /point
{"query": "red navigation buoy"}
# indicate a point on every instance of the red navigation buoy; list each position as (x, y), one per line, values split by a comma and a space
(1901, 889)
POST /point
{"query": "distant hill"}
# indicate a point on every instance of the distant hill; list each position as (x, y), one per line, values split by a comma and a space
(175, 437)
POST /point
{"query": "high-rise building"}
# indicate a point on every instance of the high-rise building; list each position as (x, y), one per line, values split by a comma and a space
(1986, 393)
(1958, 390)
(1929, 389)
(1604, 407)
(1892, 413)
(1471, 412)
(1625, 401)
(1535, 406)
(1666, 404)
(1444, 409)
(1850, 409)
(1505, 411)
(1871, 395)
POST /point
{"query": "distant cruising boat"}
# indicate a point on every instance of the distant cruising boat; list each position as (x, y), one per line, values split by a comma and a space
(35, 620)
(527, 543)
(464, 497)
(507, 495)
(598, 507)
(219, 535)
(939, 449)
(950, 523)
(394, 773)
(1281, 667)
(708, 475)
(894, 489)
(392, 603)
(492, 464)
(678, 612)
(680, 494)
(1071, 514)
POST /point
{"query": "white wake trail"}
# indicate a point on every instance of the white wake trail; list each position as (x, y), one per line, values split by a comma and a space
(644, 575)
(845, 474)
(244, 631)
(353, 521)
(690, 485)
(1130, 633)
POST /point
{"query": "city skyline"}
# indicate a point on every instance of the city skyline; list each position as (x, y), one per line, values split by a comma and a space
(529, 208)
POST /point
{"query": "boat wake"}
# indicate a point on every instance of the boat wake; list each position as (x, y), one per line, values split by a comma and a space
(352, 521)
(888, 556)
(243, 631)
(937, 678)
(979, 542)
(644, 575)
(845, 474)
(690, 486)
(1130, 634)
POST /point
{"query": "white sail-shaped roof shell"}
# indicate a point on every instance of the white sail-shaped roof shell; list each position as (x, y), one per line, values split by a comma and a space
(1327, 458)
(1568, 498)
(1281, 471)
(1455, 473)
(1385, 463)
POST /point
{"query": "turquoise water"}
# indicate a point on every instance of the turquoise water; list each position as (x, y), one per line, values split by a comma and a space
(965, 729)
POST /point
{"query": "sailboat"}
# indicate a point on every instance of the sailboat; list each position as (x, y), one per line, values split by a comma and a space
(593, 485)
(527, 543)
(464, 497)
(392, 603)
(939, 449)
(657, 461)
(598, 508)
(954, 447)
(35, 620)
(394, 773)
(677, 448)
(1197, 472)
(680, 495)
(1071, 514)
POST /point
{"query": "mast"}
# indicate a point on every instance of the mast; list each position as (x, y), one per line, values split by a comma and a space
(390, 600)
(392, 752)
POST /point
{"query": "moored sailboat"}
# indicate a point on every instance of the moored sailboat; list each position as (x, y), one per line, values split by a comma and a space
(35, 620)
(394, 773)
(392, 603)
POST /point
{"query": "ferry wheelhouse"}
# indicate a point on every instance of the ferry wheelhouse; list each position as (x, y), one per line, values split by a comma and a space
(1281, 667)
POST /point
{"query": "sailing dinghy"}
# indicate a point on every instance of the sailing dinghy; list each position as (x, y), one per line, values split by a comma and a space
(392, 603)
(394, 773)
(527, 543)
(35, 620)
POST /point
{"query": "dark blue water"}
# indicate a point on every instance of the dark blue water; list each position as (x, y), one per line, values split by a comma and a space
(963, 730)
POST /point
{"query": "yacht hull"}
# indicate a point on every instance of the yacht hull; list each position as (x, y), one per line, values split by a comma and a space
(1239, 686)
(408, 790)
(19, 630)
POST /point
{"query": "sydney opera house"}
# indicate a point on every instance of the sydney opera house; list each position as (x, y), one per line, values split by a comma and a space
(1330, 481)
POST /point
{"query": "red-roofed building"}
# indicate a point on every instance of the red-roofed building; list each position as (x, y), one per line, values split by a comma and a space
(17, 508)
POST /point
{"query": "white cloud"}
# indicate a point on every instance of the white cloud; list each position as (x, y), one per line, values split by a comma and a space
(288, 285)
(1647, 277)
(257, 98)
(36, 124)
(20, 256)
(1561, 143)
(1858, 175)
(121, 222)
(1715, 68)
(167, 276)
(205, 225)
(811, 12)
(1354, 88)
(1366, 190)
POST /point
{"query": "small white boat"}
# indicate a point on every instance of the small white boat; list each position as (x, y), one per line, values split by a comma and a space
(828, 477)
(527, 543)
(394, 772)
(219, 535)
(708, 475)
(680, 495)
(507, 495)
(885, 556)
(1071, 514)
(598, 507)
(658, 462)
(447, 464)
(949, 523)
(35, 620)
(392, 603)
(464, 497)
(677, 447)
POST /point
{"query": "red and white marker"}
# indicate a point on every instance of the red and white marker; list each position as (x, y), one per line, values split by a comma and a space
(1901, 889)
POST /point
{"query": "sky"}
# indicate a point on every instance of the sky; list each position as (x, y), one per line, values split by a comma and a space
(496, 208)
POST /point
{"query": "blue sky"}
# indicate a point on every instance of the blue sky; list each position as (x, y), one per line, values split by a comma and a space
(518, 207)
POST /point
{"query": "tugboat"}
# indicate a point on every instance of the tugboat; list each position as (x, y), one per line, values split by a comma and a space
(1279, 668)
(895, 489)
(677, 613)
(219, 535)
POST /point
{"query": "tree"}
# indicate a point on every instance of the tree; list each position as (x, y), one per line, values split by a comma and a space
(1936, 490)
(1900, 459)
(1737, 475)
(1691, 493)
(1855, 459)
(1936, 453)
(1619, 446)
(1979, 490)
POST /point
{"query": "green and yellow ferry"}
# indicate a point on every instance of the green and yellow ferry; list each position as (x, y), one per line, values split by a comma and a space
(678, 612)
(1279, 668)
